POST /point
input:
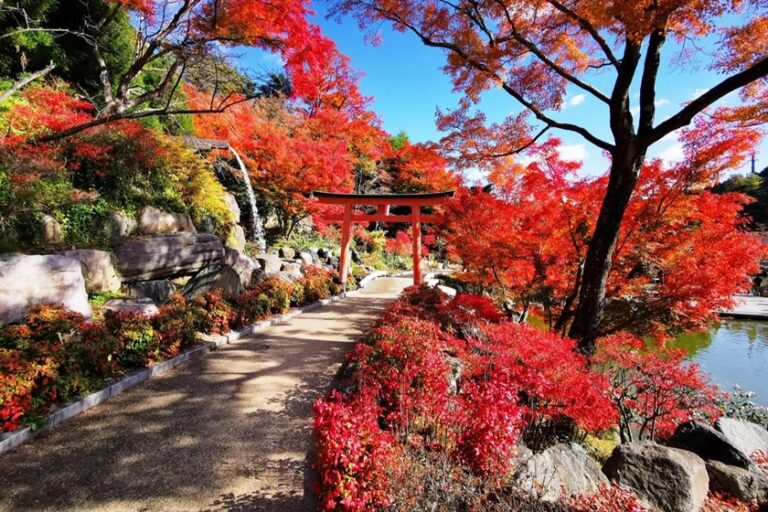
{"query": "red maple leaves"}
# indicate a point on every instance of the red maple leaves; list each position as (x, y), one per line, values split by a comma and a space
(681, 254)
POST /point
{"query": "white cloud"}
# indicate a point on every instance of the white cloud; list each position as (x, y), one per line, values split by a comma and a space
(673, 153)
(573, 152)
(577, 100)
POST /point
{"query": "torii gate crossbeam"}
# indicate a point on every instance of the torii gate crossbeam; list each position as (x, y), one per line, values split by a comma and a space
(382, 202)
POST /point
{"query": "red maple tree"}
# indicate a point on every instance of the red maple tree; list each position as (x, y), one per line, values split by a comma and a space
(536, 51)
(681, 254)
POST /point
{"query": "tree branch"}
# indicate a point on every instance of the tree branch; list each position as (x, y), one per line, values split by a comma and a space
(540, 115)
(590, 29)
(25, 81)
(522, 148)
(622, 126)
(648, 82)
(565, 74)
(727, 86)
(164, 111)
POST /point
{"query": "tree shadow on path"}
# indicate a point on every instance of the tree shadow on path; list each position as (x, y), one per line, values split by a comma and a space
(228, 432)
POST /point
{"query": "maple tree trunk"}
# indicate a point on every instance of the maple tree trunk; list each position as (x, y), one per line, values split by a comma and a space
(597, 265)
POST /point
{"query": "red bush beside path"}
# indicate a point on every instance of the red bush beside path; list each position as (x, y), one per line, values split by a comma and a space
(455, 377)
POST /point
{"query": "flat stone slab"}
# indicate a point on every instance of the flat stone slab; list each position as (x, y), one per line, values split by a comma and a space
(167, 256)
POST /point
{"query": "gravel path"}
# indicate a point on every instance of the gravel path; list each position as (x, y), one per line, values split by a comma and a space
(229, 431)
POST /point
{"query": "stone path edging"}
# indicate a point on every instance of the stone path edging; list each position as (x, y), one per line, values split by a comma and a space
(10, 440)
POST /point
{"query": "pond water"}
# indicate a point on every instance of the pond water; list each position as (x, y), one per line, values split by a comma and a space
(734, 352)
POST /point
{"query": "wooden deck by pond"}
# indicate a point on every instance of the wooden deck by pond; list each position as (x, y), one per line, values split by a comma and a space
(748, 307)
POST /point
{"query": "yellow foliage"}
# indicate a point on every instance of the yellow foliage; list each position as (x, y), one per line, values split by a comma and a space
(601, 447)
(197, 186)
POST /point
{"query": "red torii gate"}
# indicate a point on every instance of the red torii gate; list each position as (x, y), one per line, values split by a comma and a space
(382, 202)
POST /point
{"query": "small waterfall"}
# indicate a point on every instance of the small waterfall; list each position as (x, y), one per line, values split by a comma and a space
(256, 227)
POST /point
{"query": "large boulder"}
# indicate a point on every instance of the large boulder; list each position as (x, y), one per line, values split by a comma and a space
(143, 306)
(709, 444)
(120, 226)
(306, 258)
(270, 262)
(98, 270)
(167, 256)
(560, 471)
(738, 482)
(236, 239)
(242, 264)
(27, 281)
(286, 278)
(233, 207)
(50, 230)
(291, 269)
(670, 479)
(159, 290)
(154, 222)
(217, 277)
(747, 437)
(287, 253)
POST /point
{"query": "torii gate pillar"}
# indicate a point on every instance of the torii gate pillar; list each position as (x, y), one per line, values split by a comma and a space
(382, 203)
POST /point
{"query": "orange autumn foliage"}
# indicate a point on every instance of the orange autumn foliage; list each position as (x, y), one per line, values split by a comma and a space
(682, 251)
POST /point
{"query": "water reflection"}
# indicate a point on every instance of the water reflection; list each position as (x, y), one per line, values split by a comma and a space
(734, 352)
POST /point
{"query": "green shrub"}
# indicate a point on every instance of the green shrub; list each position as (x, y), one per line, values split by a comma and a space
(85, 224)
(304, 241)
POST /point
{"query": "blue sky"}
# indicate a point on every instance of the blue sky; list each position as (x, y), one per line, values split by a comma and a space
(407, 84)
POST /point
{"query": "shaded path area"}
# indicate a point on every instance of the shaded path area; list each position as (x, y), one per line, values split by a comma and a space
(226, 432)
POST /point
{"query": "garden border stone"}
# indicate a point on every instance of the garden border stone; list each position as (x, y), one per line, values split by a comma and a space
(11, 440)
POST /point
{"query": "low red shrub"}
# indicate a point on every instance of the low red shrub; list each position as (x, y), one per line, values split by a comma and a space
(404, 362)
(471, 399)
(473, 309)
(356, 458)
(215, 312)
(490, 422)
(178, 323)
(316, 283)
(555, 380)
(717, 502)
(56, 354)
(136, 339)
(20, 381)
(249, 307)
(278, 292)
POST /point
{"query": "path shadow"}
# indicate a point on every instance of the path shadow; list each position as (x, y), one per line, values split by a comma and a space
(199, 437)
